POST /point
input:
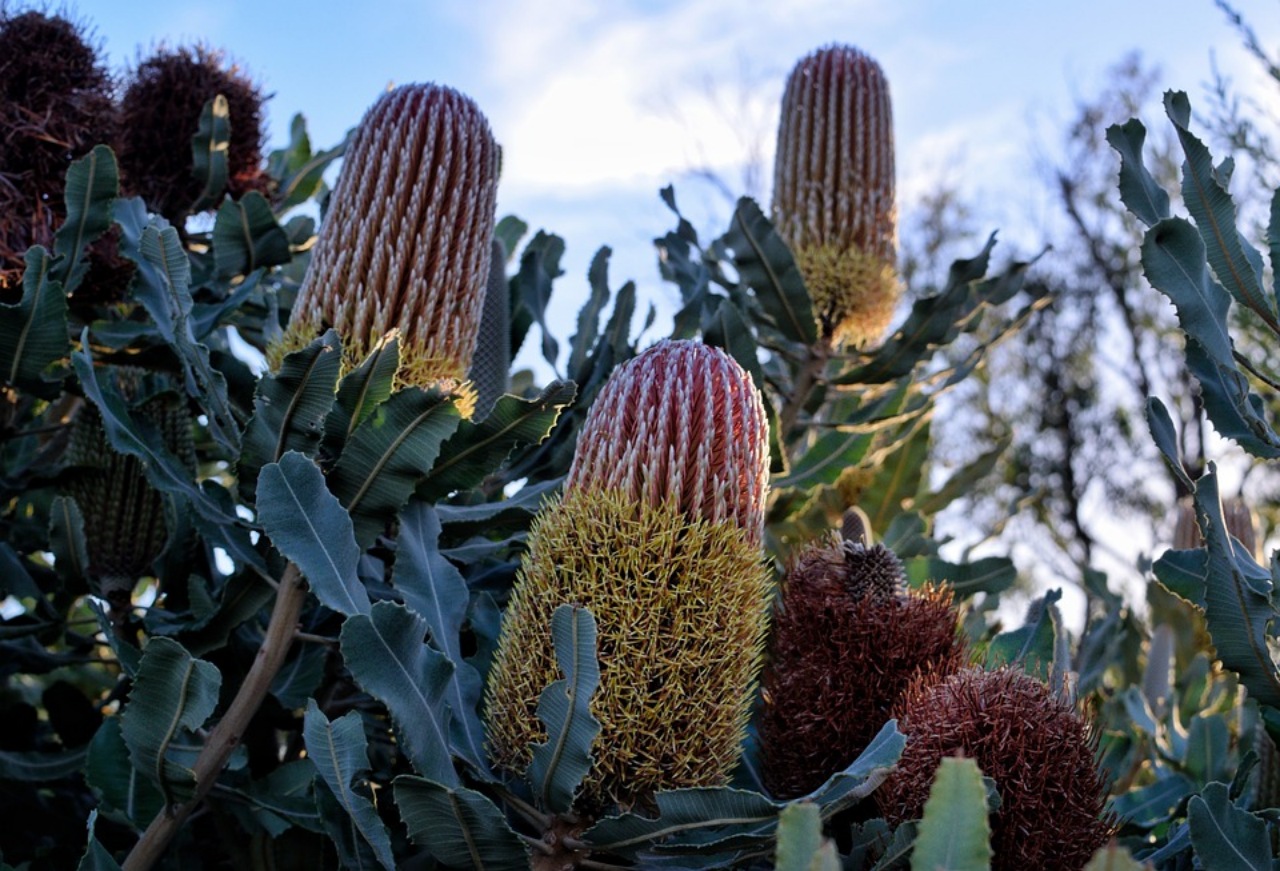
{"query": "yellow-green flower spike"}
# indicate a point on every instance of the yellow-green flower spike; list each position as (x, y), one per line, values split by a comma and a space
(833, 191)
(658, 535)
(406, 242)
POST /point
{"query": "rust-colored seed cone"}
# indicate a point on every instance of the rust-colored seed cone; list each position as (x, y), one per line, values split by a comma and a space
(847, 642)
(674, 578)
(1037, 749)
(407, 240)
(680, 422)
(160, 114)
(833, 191)
(55, 104)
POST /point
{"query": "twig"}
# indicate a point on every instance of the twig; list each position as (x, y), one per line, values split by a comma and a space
(230, 729)
(811, 369)
(526, 810)
(536, 843)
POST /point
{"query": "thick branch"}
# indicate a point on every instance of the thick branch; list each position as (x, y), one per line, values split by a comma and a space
(226, 735)
(811, 370)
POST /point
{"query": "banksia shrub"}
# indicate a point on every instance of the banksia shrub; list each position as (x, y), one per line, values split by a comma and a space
(55, 104)
(124, 523)
(833, 191)
(160, 114)
(1033, 744)
(847, 641)
(407, 240)
(658, 534)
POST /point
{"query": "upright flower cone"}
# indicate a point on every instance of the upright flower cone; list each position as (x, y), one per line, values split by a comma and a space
(848, 639)
(124, 522)
(1037, 749)
(659, 536)
(407, 241)
(160, 114)
(56, 103)
(833, 191)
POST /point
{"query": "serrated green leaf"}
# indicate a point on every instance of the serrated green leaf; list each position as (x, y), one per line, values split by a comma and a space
(341, 756)
(962, 481)
(33, 332)
(461, 827)
(35, 766)
(681, 811)
(826, 460)
(898, 477)
(1183, 572)
(801, 846)
(117, 781)
(1238, 608)
(246, 237)
(290, 407)
(846, 788)
(1173, 258)
(558, 767)
(388, 658)
(478, 449)
(93, 183)
(1226, 837)
(990, 575)
(15, 578)
(300, 172)
(163, 286)
(172, 692)
(299, 676)
(954, 834)
(1154, 804)
(1235, 262)
(1208, 747)
(362, 390)
(1236, 412)
(531, 291)
(589, 315)
(766, 266)
(308, 525)
(1138, 190)
(388, 454)
(96, 857)
(509, 231)
(209, 149)
(436, 590)
(1033, 645)
(66, 539)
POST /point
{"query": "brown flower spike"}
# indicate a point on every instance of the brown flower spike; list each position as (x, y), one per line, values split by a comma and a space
(848, 640)
(406, 244)
(160, 114)
(658, 535)
(1037, 749)
(56, 103)
(833, 191)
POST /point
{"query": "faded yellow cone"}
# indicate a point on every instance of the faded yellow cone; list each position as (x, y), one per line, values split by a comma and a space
(833, 191)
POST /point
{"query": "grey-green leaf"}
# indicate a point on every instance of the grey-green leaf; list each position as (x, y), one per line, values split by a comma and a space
(209, 149)
(246, 237)
(1225, 837)
(433, 587)
(768, 268)
(308, 525)
(388, 658)
(66, 539)
(93, 183)
(96, 857)
(388, 454)
(846, 788)
(172, 692)
(559, 766)
(119, 783)
(341, 756)
(1138, 190)
(290, 407)
(362, 390)
(33, 331)
(461, 827)
(954, 834)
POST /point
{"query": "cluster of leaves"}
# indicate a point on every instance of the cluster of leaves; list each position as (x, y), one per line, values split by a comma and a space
(303, 664)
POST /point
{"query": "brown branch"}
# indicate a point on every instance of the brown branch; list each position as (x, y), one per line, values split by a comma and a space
(230, 729)
(811, 370)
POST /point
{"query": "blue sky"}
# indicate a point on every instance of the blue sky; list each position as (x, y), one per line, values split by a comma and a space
(599, 104)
